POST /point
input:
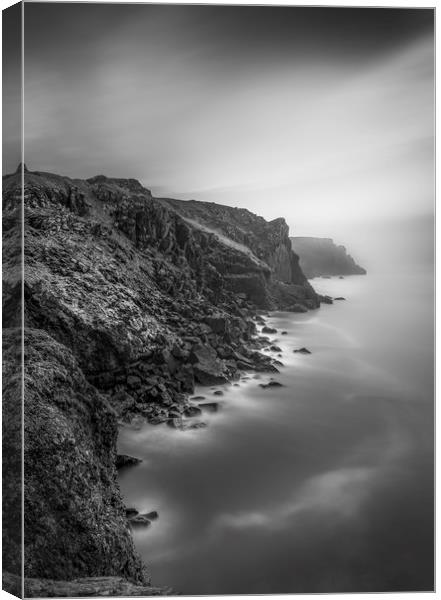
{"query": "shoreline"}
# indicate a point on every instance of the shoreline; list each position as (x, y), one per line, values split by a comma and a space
(213, 395)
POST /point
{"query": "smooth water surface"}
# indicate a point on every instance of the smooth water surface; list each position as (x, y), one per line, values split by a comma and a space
(322, 485)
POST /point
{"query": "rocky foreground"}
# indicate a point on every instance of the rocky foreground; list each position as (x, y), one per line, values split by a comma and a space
(321, 257)
(129, 302)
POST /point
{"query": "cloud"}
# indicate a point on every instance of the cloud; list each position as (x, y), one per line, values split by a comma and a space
(312, 132)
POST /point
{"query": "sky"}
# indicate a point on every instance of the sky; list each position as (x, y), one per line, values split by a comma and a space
(322, 115)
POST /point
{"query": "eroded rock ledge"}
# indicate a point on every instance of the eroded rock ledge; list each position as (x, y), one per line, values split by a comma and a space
(82, 587)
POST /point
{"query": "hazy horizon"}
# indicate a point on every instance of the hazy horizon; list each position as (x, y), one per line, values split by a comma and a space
(324, 116)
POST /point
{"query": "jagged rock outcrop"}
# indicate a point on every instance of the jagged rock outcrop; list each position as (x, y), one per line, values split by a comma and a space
(128, 302)
(322, 257)
(266, 243)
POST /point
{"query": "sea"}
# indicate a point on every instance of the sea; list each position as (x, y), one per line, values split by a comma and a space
(324, 484)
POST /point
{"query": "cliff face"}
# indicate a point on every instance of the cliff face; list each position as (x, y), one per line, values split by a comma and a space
(267, 241)
(322, 257)
(75, 522)
(129, 300)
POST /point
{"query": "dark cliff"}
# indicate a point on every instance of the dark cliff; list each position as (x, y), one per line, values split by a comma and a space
(278, 280)
(322, 257)
(129, 300)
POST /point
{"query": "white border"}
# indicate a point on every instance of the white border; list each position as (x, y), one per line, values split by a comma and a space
(355, 4)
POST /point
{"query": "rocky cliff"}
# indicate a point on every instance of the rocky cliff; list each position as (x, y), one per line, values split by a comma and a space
(267, 241)
(129, 300)
(322, 257)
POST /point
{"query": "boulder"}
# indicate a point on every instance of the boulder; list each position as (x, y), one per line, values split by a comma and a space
(152, 515)
(302, 351)
(133, 381)
(217, 323)
(157, 419)
(207, 368)
(340, 298)
(267, 329)
(192, 411)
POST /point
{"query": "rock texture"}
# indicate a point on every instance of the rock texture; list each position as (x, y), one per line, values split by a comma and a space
(322, 257)
(82, 587)
(12, 394)
(129, 300)
(261, 262)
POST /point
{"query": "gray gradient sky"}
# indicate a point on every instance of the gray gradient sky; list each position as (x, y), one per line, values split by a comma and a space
(324, 116)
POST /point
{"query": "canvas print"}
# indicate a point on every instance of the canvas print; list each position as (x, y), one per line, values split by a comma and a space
(218, 299)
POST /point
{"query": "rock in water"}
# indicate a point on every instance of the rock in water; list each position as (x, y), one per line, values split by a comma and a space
(270, 384)
(268, 330)
(209, 406)
(192, 411)
(302, 351)
(140, 521)
(152, 516)
(124, 460)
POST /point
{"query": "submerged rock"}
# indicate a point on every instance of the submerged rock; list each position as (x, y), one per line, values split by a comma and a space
(183, 425)
(140, 521)
(302, 351)
(270, 384)
(124, 460)
(210, 406)
(152, 515)
(340, 298)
